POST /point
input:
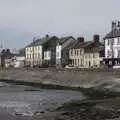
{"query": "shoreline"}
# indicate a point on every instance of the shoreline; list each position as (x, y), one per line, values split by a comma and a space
(100, 103)
(90, 93)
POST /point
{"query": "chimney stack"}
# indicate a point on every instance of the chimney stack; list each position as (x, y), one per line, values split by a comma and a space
(47, 36)
(96, 38)
(80, 39)
(113, 25)
(119, 24)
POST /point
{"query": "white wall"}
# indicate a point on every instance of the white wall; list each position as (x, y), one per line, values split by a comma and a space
(47, 55)
(115, 47)
(58, 51)
(36, 52)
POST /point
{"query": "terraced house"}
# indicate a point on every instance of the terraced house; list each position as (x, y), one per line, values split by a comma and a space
(34, 52)
(87, 54)
(49, 49)
(62, 51)
(112, 45)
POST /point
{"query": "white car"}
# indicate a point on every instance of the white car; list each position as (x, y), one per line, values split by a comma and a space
(116, 67)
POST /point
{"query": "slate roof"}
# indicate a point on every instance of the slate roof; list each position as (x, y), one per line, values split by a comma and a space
(82, 44)
(88, 46)
(114, 33)
(94, 47)
(62, 40)
(37, 42)
(76, 44)
(71, 45)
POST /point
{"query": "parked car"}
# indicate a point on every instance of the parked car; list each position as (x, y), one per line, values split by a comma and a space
(116, 67)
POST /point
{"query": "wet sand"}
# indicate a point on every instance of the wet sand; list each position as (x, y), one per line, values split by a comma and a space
(18, 102)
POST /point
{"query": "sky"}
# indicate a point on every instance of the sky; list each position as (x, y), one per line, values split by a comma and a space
(21, 20)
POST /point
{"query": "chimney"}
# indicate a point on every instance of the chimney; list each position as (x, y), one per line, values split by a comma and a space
(118, 23)
(96, 38)
(80, 39)
(113, 25)
(47, 36)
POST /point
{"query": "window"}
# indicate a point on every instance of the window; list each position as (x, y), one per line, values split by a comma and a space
(108, 42)
(78, 62)
(118, 40)
(77, 52)
(89, 55)
(75, 61)
(81, 62)
(94, 62)
(80, 52)
(109, 54)
(71, 53)
(38, 55)
(112, 42)
(72, 62)
(118, 53)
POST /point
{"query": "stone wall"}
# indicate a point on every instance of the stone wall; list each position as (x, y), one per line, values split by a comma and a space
(71, 78)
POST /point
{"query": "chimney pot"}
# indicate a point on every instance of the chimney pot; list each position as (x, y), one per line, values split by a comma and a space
(113, 25)
(96, 38)
(80, 39)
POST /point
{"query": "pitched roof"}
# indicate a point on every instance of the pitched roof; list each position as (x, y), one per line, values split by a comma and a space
(83, 44)
(94, 47)
(114, 33)
(88, 46)
(71, 45)
(37, 42)
(62, 40)
(76, 44)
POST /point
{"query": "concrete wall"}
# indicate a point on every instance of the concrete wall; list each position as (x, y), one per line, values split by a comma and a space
(101, 79)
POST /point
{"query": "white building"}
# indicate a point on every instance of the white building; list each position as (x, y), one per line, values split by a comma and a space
(112, 45)
(47, 55)
(34, 52)
(62, 54)
(18, 61)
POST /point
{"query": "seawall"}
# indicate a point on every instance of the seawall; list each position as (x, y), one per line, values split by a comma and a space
(71, 78)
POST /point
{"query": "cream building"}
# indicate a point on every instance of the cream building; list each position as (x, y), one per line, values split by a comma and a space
(34, 52)
(77, 57)
(87, 54)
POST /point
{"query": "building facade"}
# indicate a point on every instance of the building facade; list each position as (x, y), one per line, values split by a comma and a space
(34, 52)
(87, 54)
(62, 51)
(112, 45)
(50, 51)
(6, 56)
(18, 61)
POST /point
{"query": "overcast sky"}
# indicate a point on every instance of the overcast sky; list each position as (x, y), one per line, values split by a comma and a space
(21, 20)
